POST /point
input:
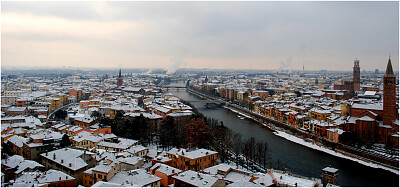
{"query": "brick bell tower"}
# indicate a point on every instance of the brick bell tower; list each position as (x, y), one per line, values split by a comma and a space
(389, 95)
(356, 75)
(119, 79)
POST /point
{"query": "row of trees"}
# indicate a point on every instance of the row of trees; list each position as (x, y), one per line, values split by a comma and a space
(136, 128)
(198, 132)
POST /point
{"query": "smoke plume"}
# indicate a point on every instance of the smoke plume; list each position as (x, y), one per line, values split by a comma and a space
(175, 64)
(285, 64)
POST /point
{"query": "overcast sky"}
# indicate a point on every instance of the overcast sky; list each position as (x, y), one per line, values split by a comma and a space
(240, 35)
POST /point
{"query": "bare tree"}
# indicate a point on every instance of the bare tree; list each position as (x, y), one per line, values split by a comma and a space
(262, 153)
(237, 146)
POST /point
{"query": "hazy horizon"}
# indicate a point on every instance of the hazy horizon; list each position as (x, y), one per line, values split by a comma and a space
(198, 35)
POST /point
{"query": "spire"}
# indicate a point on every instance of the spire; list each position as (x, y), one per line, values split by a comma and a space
(119, 73)
(389, 69)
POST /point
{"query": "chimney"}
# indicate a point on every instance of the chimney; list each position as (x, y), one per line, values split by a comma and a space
(173, 171)
(62, 161)
(60, 177)
(54, 156)
(70, 164)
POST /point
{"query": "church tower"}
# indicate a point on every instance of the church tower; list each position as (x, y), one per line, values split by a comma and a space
(119, 79)
(356, 75)
(389, 95)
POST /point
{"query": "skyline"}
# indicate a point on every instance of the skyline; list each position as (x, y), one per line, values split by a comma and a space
(213, 35)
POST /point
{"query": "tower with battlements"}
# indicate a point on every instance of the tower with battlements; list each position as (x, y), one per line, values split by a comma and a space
(356, 75)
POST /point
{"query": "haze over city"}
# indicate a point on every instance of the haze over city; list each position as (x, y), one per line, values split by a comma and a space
(215, 35)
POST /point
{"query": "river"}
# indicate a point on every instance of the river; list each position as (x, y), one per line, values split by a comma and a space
(297, 158)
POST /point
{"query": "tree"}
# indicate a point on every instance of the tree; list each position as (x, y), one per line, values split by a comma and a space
(249, 150)
(60, 114)
(65, 142)
(298, 93)
(262, 153)
(198, 134)
(167, 133)
(237, 146)
(348, 137)
(119, 114)
(96, 115)
(137, 128)
(222, 137)
(389, 146)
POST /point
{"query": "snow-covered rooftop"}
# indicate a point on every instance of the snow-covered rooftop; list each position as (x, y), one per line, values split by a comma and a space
(196, 179)
(134, 178)
(67, 157)
(330, 169)
(165, 169)
(289, 180)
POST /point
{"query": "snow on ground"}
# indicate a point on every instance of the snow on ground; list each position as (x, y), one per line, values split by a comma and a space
(238, 112)
(326, 150)
(285, 179)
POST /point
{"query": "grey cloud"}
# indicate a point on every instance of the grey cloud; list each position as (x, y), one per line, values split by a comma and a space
(338, 30)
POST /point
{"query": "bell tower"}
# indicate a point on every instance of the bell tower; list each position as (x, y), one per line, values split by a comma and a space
(356, 75)
(389, 95)
(119, 79)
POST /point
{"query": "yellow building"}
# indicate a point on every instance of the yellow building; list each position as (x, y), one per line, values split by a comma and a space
(279, 91)
(241, 96)
(88, 178)
(94, 102)
(86, 140)
(55, 103)
(102, 172)
(192, 160)
(319, 114)
(63, 98)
